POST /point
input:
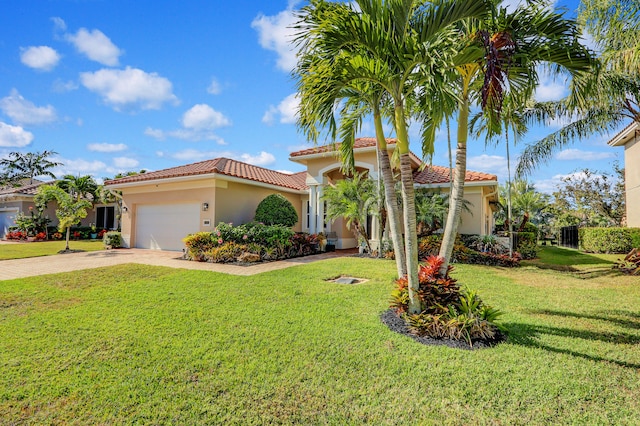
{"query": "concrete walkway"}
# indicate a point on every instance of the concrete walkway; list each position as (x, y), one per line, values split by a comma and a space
(21, 268)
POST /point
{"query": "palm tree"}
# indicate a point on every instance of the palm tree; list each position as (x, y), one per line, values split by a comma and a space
(352, 199)
(322, 85)
(386, 43)
(80, 187)
(502, 57)
(19, 166)
(603, 99)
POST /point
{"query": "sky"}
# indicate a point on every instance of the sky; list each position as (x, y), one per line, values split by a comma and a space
(115, 86)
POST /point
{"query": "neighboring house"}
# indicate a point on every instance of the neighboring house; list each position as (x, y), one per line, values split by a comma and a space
(629, 137)
(20, 199)
(160, 208)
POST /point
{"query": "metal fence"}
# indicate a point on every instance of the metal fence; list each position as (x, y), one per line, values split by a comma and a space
(569, 236)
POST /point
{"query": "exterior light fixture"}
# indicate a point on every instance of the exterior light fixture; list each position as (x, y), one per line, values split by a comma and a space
(205, 207)
(125, 209)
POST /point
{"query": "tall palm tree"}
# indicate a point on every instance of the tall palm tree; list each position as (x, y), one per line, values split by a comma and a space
(603, 99)
(502, 56)
(322, 85)
(19, 166)
(386, 43)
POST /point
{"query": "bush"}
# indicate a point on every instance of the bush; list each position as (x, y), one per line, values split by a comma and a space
(608, 240)
(530, 227)
(112, 239)
(226, 243)
(430, 246)
(447, 312)
(527, 245)
(492, 259)
(276, 210)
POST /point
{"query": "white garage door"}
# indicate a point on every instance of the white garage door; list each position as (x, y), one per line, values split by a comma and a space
(163, 226)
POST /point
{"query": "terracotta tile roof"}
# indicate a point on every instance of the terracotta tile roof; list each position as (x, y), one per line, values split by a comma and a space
(22, 190)
(223, 166)
(358, 143)
(440, 175)
(621, 137)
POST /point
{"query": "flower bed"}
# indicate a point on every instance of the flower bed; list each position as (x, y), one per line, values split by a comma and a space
(251, 242)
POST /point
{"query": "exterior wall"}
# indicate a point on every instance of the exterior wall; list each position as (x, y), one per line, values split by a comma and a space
(632, 181)
(237, 202)
(202, 191)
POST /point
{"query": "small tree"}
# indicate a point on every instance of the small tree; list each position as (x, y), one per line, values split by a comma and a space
(69, 210)
(352, 199)
(276, 210)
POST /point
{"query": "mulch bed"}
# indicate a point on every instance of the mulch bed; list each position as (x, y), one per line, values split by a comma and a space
(397, 324)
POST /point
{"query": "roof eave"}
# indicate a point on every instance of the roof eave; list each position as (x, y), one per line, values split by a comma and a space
(625, 135)
(204, 176)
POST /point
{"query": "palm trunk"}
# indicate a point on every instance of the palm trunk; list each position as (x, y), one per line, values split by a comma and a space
(68, 235)
(390, 198)
(457, 190)
(409, 211)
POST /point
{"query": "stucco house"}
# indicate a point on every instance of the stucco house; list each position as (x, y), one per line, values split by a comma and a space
(160, 208)
(20, 199)
(629, 138)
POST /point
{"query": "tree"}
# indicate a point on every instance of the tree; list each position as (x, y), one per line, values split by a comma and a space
(70, 210)
(323, 82)
(19, 166)
(276, 210)
(502, 57)
(603, 99)
(352, 199)
(594, 198)
(396, 45)
(79, 187)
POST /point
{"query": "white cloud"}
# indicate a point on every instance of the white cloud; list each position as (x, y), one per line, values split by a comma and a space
(129, 87)
(286, 172)
(191, 155)
(79, 166)
(550, 88)
(125, 162)
(494, 164)
(96, 46)
(14, 136)
(550, 185)
(214, 87)
(107, 147)
(42, 58)
(203, 117)
(59, 24)
(287, 110)
(274, 33)
(60, 86)
(198, 124)
(262, 159)
(22, 111)
(577, 154)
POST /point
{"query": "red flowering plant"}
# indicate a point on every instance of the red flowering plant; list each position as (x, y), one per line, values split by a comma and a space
(41, 236)
(447, 312)
(77, 235)
(101, 233)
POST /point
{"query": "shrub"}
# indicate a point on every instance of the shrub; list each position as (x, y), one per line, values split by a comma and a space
(275, 209)
(112, 239)
(198, 244)
(530, 227)
(526, 245)
(447, 312)
(430, 246)
(492, 259)
(608, 240)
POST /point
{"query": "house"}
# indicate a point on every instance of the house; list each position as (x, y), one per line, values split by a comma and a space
(14, 200)
(629, 138)
(160, 208)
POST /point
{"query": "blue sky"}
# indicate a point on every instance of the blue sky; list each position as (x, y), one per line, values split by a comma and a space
(114, 86)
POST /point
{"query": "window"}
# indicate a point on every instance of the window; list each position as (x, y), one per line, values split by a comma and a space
(105, 217)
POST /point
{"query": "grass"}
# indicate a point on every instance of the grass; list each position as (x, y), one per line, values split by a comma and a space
(142, 344)
(45, 248)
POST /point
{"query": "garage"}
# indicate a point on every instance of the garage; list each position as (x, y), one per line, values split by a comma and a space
(6, 220)
(163, 226)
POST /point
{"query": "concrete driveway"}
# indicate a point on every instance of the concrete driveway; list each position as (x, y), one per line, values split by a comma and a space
(21, 268)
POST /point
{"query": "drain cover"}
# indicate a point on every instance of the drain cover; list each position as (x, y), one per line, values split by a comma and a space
(347, 280)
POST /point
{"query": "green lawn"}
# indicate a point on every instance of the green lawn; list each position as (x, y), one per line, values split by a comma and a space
(142, 344)
(45, 248)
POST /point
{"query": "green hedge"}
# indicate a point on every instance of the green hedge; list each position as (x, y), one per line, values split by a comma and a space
(608, 240)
